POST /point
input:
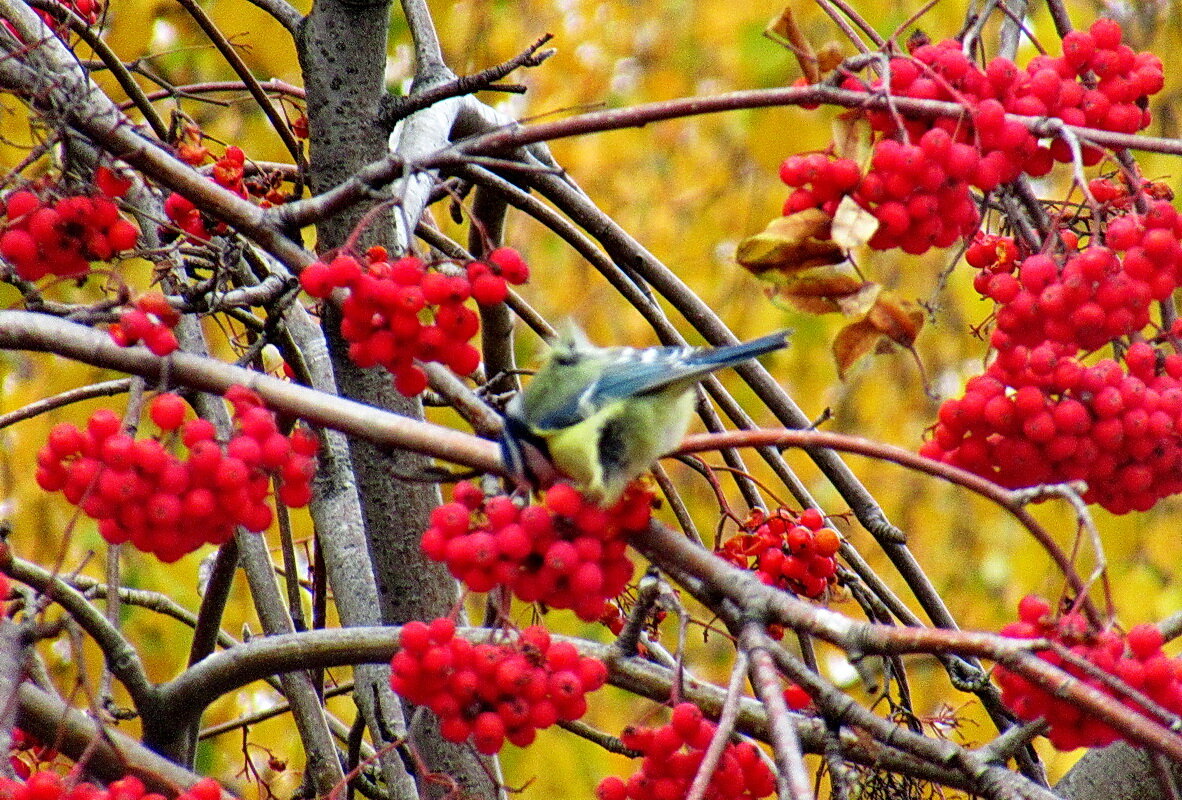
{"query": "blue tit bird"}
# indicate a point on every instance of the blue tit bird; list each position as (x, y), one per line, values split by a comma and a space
(600, 416)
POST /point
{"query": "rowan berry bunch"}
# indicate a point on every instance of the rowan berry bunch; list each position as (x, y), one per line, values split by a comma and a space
(566, 553)
(788, 551)
(406, 310)
(89, 10)
(917, 183)
(493, 692)
(672, 755)
(1135, 659)
(44, 235)
(46, 785)
(1119, 192)
(1040, 414)
(919, 193)
(229, 172)
(167, 505)
(150, 320)
(1085, 297)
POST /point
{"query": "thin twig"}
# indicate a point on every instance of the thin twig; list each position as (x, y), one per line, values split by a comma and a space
(47, 404)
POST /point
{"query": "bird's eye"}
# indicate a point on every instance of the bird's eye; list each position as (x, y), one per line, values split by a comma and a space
(567, 358)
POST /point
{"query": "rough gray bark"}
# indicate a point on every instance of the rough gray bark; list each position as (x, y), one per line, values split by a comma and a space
(342, 51)
(1116, 772)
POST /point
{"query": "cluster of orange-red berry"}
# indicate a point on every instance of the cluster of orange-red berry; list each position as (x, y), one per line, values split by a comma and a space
(493, 692)
(387, 302)
(150, 320)
(789, 551)
(566, 553)
(141, 492)
(1039, 413)
(61, 236)
(227, 172)
(1135, 659)
(672, 754)
(47, 785)
(917, 184)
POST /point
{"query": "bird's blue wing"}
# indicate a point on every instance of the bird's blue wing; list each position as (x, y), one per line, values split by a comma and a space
(636, 372)
(656, 368)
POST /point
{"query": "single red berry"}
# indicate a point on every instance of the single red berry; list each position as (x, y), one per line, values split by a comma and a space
(1145, 640)
(512, 266)
(316, 279)
(167, 411)
(18, 246)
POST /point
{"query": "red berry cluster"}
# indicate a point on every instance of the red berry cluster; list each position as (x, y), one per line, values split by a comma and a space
(787, 551)
(150, 320)
(1114, 193)
(47, 785)
(493, 692)
(142, 493)
(672, 755)
(387, 301)
(919, 193)
(566, 553)
(61, 237)
(919, 175)
(1134, 658)
(1041, 415)
(227, 172)
(89, 10)
(1097, 82)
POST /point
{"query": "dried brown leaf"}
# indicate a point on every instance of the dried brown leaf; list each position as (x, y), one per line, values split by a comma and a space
(798, 241)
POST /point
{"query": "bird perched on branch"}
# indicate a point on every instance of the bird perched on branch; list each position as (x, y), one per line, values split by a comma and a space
(600, 416)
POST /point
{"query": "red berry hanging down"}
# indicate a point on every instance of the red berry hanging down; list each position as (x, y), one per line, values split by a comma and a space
(672, 755)
(400, 312)
(149, 320)
(493, 692)
(786, 551)
(1134, 658)
(139, 491)
(61, 237)
(917, 182)
(1041, 413)
(565, 553)
(47, 785)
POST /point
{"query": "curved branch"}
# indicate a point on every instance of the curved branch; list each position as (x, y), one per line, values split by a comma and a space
(1013, 502)
(713, 581)
(47, 404)
(514, 136)
(230, 669)
(121, 658)
(23, 330)
(284, 13)
(110, 755)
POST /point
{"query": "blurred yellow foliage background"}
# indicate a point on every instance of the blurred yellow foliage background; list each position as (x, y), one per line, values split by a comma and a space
(689, 190)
